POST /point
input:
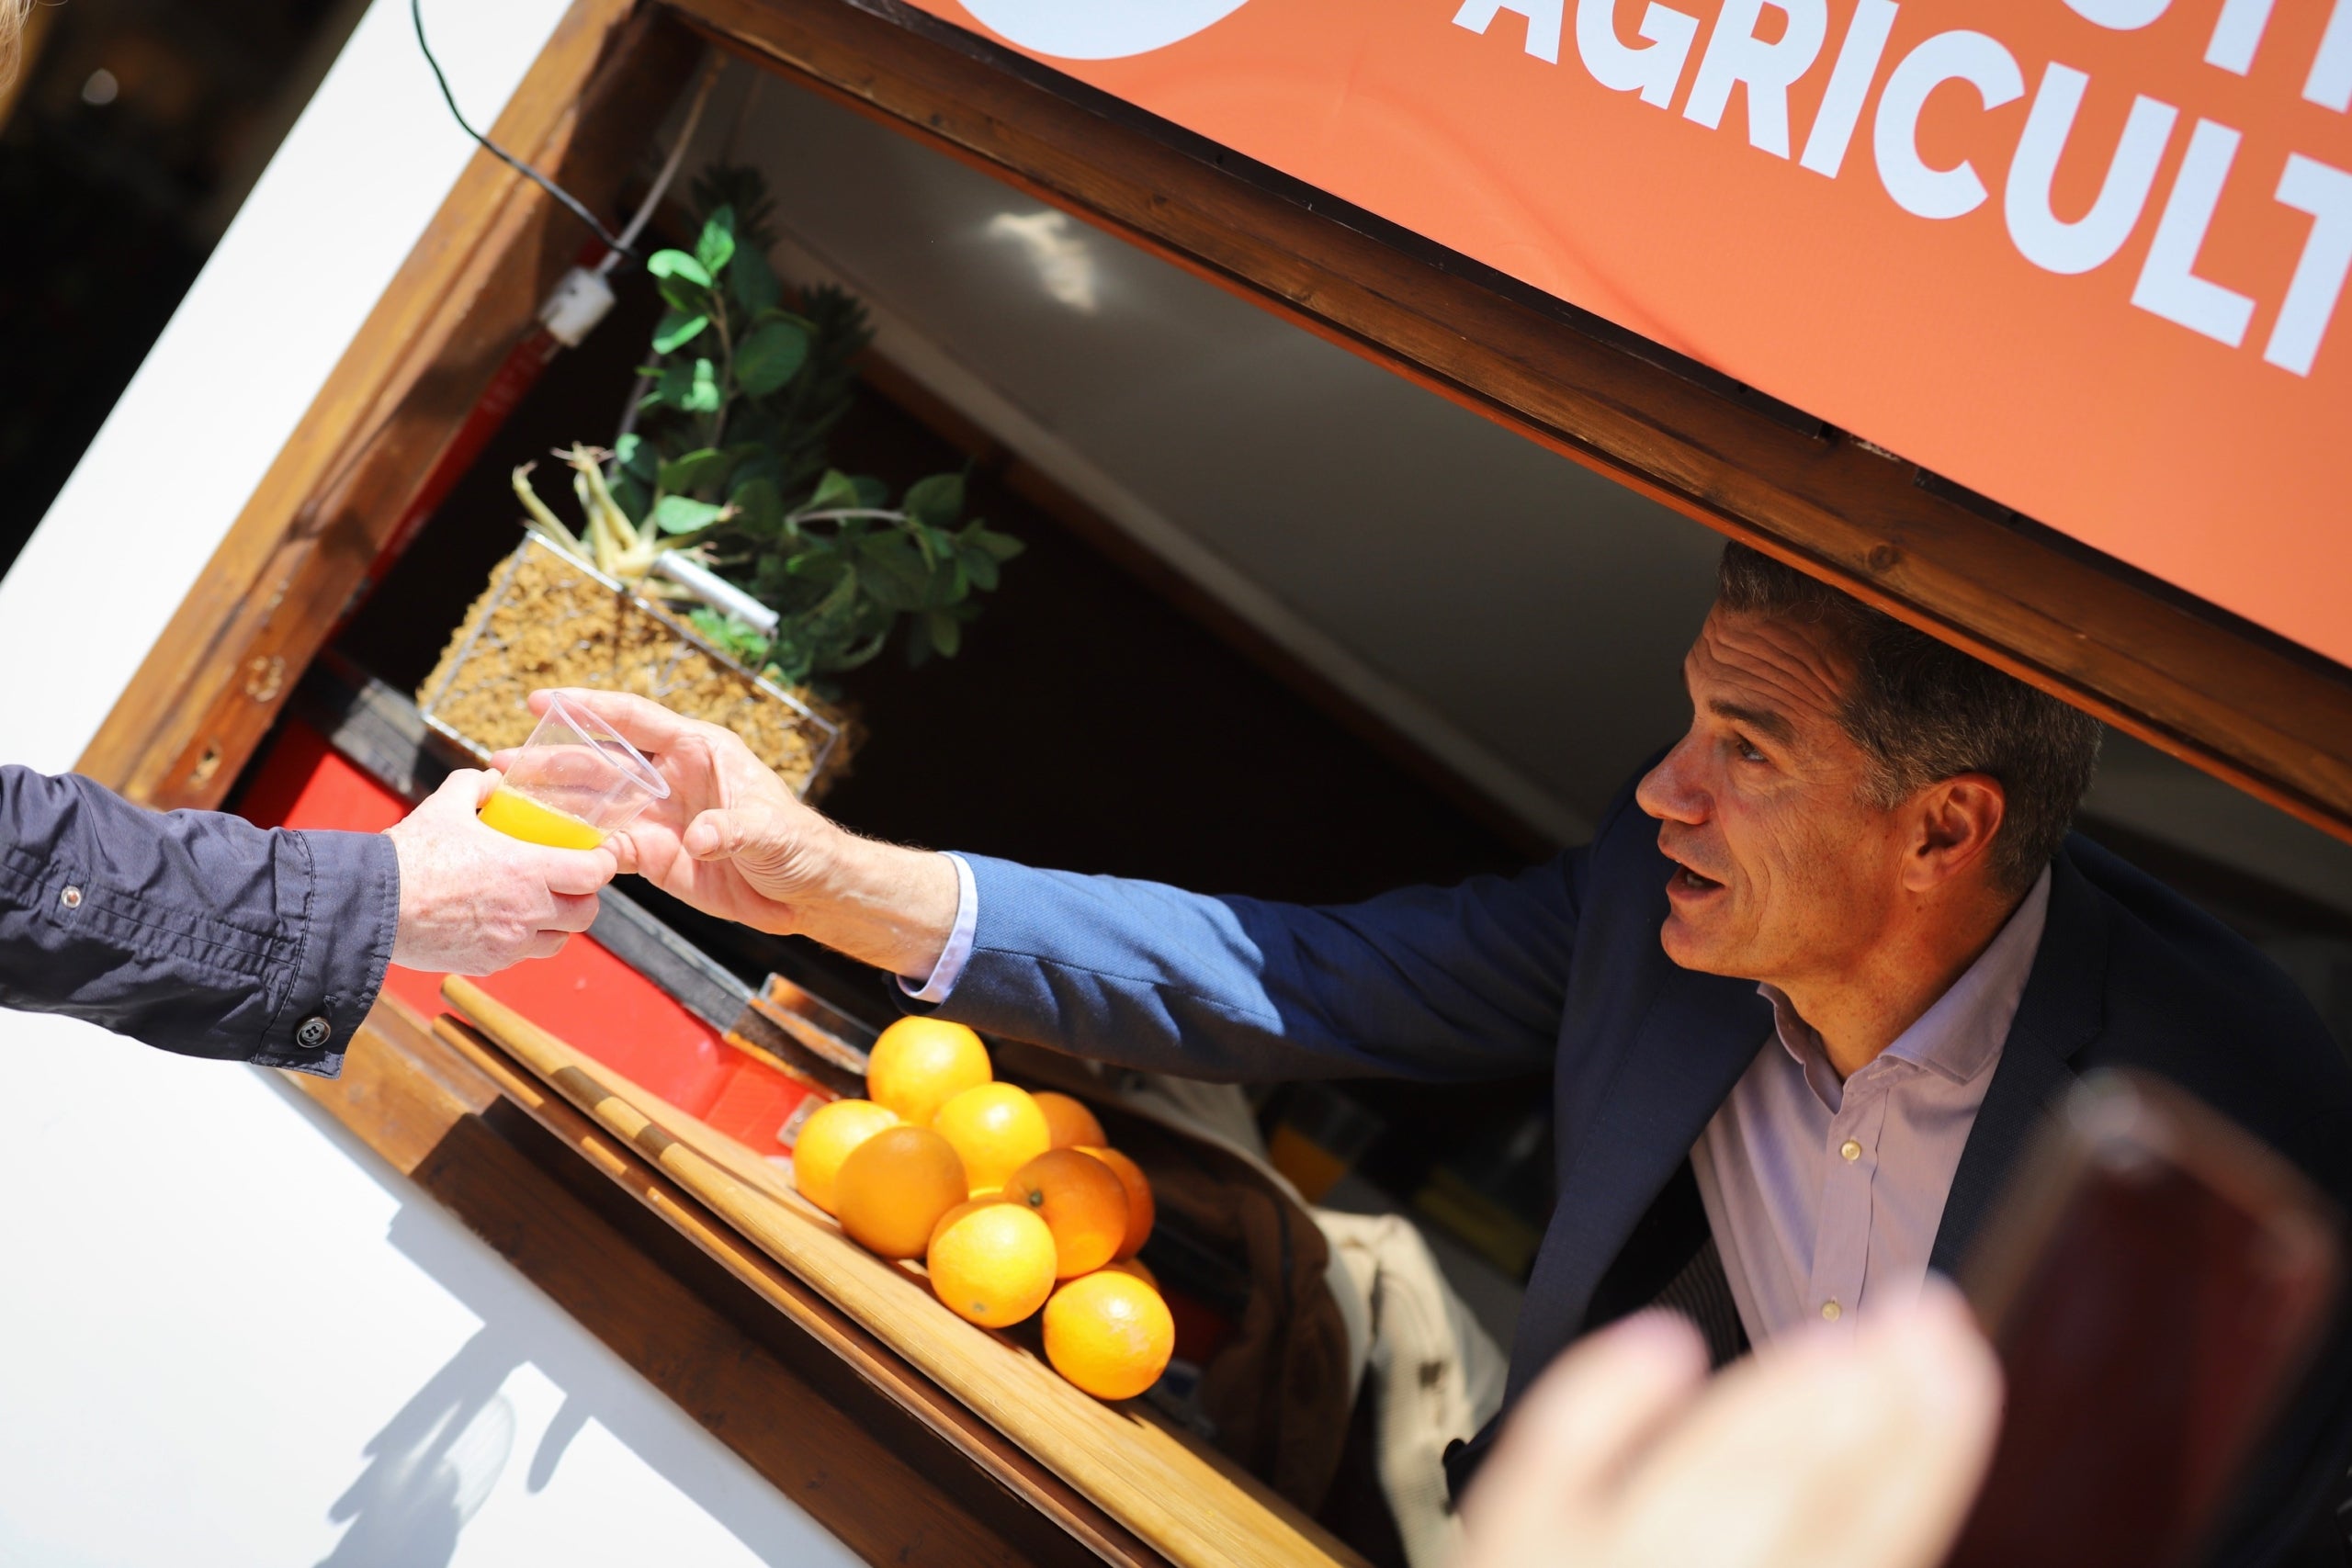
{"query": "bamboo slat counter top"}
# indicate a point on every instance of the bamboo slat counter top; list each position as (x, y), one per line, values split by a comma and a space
(1193, 1509)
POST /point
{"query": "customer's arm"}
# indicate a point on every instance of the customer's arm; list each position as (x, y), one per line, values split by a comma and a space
(203, 934)
(1456, 982)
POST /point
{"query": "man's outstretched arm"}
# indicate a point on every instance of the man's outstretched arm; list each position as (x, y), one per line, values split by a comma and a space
(1457, 982)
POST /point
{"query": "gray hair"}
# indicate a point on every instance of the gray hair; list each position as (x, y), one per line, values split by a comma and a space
(1923, 711)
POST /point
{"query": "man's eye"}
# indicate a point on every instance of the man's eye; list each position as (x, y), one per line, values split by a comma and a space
(1746, 749)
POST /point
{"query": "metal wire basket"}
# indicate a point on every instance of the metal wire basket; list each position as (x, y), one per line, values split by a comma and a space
(550, 619)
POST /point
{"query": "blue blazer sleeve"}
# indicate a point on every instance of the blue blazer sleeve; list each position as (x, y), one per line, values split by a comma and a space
(1453, 983)
(195, 932)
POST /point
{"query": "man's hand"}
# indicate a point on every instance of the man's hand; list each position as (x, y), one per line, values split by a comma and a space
(1864, 1452)
(474, 900)
(732, 840)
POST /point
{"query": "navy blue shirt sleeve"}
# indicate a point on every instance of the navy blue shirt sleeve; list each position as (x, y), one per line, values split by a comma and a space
(195, 932)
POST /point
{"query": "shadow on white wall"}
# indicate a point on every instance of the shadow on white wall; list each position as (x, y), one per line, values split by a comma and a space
(429, 1469)
(239, 1338)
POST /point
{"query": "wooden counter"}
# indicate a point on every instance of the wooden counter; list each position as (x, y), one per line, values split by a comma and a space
(1171, 1492)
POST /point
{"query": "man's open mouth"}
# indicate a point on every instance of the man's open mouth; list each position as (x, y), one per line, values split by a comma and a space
(1691, 882)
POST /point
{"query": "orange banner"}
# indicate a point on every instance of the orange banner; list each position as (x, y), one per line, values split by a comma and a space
(2086, 256)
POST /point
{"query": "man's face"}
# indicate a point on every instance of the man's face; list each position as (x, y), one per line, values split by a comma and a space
(1787, 871)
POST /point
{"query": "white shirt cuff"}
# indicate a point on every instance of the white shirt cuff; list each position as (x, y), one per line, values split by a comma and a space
(952, 958)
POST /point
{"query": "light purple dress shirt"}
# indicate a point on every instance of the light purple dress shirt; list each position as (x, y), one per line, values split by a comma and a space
(1825, 1198)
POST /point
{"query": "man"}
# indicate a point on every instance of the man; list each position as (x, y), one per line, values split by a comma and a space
(203, 934)
(1804, 996)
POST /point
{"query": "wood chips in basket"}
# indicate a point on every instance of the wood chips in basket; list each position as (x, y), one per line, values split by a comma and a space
(547, 620)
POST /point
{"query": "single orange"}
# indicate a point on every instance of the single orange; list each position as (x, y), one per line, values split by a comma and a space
(1141, 1210)
(920, 1063)
(826, 1140)
(1071, 1123)
(991, 1262)
(1110, 1334)
(997, 1128)
(1135, 1268)
(1082, 1202)
(893, 1187)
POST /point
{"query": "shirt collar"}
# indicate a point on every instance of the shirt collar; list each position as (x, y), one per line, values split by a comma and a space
(1962, 1033)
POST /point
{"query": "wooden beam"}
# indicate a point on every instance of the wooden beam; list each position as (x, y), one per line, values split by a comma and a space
(757, 1379)
(469, 291)
(2270, 719)
(954, 1422)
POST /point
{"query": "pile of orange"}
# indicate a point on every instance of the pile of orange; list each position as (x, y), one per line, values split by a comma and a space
(1014, 1200)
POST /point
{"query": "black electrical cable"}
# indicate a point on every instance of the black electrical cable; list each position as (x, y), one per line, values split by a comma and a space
(571, 203)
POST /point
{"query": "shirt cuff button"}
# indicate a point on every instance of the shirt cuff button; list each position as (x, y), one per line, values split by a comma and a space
(312, 1033)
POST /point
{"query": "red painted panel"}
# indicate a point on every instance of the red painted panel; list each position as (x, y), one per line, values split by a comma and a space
(758, 1104)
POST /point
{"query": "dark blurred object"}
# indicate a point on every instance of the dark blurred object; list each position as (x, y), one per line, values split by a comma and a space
(1321, 1135)
(1496, 1193)
(2154, 1282)
(136, 130)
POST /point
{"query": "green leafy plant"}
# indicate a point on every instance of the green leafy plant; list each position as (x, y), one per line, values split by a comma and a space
(722, 456)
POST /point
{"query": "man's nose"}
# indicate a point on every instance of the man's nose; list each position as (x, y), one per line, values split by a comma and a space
(1668, 792)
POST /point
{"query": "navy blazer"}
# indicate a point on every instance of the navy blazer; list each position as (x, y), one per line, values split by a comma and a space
(1560, 967)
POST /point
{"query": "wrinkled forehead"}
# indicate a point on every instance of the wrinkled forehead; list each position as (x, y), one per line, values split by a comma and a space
(1763, 664)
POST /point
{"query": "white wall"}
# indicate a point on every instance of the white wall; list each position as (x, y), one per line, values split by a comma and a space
(233, 1337)
(236, 1337)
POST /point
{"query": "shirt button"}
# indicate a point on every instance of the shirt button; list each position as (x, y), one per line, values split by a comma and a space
(1831, 1312)
(1851, 1150)
(312, 1033)
(70, 898)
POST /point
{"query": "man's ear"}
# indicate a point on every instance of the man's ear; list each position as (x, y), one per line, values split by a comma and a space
(1958, 819)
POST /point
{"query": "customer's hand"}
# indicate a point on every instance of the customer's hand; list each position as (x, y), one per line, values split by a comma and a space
(732, 840)
(1864, 1452)
(474, 900)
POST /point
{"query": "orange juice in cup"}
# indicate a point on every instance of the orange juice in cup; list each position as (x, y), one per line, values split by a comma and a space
(517, 816)
(575, 781)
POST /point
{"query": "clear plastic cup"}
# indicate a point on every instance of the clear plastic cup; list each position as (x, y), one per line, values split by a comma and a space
(575, 783)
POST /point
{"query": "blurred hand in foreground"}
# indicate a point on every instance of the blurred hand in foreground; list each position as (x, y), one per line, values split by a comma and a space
(732, 840)
(1863, 1451)
(474, 900)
